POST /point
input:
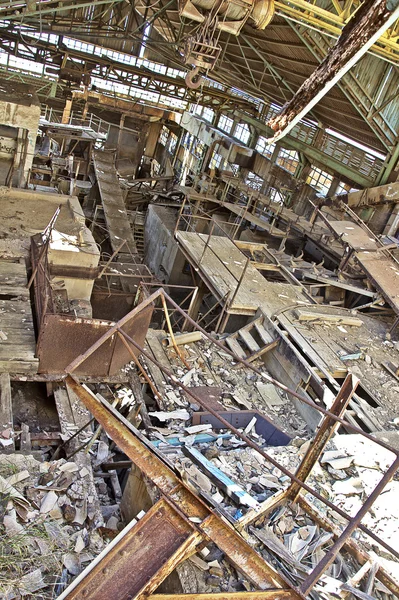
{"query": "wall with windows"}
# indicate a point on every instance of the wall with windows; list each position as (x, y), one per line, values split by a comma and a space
(225, 123)
(288, 160)
(166, 146)
(242, 132)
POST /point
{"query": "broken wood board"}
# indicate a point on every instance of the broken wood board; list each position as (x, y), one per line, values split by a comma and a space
(6, 417)
(305, 315)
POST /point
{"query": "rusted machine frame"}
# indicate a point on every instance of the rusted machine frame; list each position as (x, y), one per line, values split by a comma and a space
(181, 499)
(330, 421)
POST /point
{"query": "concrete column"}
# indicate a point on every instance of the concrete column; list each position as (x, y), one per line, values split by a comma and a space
(393, 222)
(334, 186)
(67, 111)
(152, 139)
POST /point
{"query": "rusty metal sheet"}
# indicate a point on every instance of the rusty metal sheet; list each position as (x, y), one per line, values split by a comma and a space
(211, 397)
(139, 558)
(111, 306)
(62, 338)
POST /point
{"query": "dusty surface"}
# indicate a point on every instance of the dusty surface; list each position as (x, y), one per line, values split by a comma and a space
(25, 215)
(240, 387)
(32, 406)
(370, 341)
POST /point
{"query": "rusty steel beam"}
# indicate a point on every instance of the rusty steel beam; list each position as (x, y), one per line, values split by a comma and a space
(255, 446)
(157, 543)
(324, 434)
(368, 24)
(73, 365)
(328, 558)
(182, 498)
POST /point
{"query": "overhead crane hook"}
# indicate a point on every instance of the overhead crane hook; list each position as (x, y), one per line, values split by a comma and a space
(193, 79)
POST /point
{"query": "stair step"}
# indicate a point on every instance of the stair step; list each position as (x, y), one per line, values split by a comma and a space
(249, 341)
(263, 334)
(235, 347)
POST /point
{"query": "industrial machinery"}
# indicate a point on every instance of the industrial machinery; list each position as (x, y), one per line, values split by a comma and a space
(202, 49)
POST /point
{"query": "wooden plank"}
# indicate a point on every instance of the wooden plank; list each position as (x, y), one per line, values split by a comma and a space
(317, 351)
(392, 369)
(19, 366)
(260, 266)
(81, 415)
(15, 321)
(235, 347)
(26, 444)
(156, 374)
(21, 307)
(16, 352)
(306, 315)
(339, 284)
(13, 290)
(8, 279)
(6, 418)
(64, 409)
(18, 337)
(248, 340)
(263, 334)
(263, 350)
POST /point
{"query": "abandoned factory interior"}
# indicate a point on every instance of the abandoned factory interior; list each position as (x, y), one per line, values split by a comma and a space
(199, 300)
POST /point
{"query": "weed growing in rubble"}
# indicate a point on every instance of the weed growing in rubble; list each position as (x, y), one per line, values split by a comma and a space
(29, 561)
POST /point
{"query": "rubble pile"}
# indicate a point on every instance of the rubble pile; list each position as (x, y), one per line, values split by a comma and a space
(290, 539)
(48, 526)
(239, 387)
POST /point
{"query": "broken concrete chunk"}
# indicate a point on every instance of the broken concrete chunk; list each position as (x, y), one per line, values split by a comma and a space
(21, 476)
(102, 452)
(336, 460)
(198, 562)
(72, 563)
(31, 583)
(182, 414)
(79, 544)
(12, 526)
(70, 467)
(350, 486)
(48, 502)
(269, 394)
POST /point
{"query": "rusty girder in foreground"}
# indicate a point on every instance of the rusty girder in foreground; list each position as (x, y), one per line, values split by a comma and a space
(143, 554)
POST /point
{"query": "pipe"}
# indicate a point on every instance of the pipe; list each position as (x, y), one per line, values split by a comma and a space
(183, 338)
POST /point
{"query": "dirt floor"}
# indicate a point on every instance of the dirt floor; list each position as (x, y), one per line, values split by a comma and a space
(32, 406)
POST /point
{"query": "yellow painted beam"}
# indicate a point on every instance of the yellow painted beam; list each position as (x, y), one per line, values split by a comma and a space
(332, 23)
